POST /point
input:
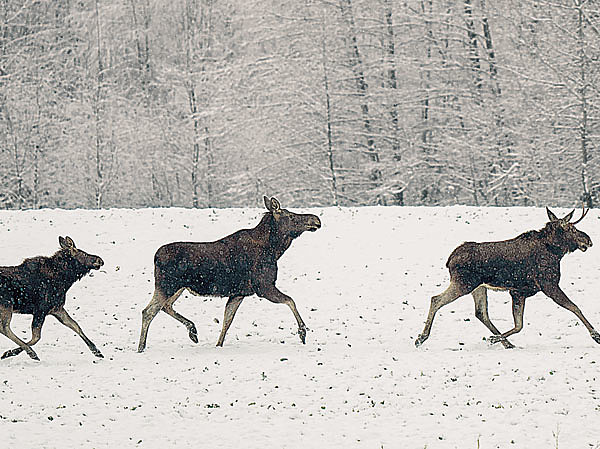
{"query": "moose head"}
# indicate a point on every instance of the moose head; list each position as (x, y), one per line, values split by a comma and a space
(290, 223)
(565, 235)
(85, 260)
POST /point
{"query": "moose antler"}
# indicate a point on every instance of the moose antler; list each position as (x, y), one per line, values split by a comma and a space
(583, 214)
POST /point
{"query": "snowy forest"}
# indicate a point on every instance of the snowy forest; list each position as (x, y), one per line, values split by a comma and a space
(206, 103)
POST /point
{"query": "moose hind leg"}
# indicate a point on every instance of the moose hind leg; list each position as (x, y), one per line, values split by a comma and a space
(64, 318)
(168, 309)
(230, 308)
(481, 312)
(36, 334)
(454, 291)
(518, 309)
(5, 317)
(155, 305)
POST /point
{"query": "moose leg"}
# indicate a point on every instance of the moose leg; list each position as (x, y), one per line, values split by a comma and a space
(273, 294)
(168, 309)
(5, 317)
(230, 308)
(155, 305)
(36, 334)
(518, 308)
(454, 291)
(481, 312)
(559, 297)
(64, 318)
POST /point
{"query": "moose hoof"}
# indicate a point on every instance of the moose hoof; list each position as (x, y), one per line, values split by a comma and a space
(10, 353)
(302, 334)
(97, 353)
(596, 336)
(420, 340)
(500, 339)
(193, 333)
(507, 344)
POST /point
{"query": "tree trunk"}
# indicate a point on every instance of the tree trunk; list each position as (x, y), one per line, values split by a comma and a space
(582, 91)
(325, 65)
(142, 46)
(97, 106)
(390, 49)
(426, 9)
(195, 147)
(472, 45)
(359, 76)
(375, 175)
(390, 52)
(489, 45)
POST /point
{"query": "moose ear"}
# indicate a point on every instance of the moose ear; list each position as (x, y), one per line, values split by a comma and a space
(66, 242)
(275, 206)
(272, 204)
(267, 202)
(551, 216)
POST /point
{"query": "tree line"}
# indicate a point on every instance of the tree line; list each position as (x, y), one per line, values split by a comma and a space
(205, 103)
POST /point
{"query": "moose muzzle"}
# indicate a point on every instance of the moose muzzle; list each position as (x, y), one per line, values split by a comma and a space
(313, 223)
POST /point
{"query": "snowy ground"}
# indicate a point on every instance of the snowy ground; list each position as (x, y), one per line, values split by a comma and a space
(362, 284)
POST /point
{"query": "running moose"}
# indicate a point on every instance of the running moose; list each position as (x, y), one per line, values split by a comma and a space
(38, 287)
(523, 265)
(239, 265)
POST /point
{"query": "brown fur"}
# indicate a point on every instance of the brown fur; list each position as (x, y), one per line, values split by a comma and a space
(239, 265)
(524, 265)
(38, 286)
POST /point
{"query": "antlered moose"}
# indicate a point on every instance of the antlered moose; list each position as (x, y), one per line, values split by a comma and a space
(38, 286)
(524, 265)
(239, 265)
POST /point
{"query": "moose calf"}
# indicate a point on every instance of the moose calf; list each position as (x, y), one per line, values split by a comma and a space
(38, 287)
(239, 265)
(523, 265)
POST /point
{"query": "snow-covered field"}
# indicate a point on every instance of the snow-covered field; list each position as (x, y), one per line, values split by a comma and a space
(362, 283)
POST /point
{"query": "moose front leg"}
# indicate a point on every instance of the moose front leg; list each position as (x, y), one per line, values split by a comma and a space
(36, 334)
(555, 293)
(230, 308)
(273, 294)
(481, 312)
(64, 318)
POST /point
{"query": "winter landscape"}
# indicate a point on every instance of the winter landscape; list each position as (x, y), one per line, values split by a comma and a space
(362, 283)
(204, 103)
(406, 126)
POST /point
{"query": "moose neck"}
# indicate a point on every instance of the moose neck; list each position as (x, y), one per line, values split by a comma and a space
(552, 242)
(274, 242)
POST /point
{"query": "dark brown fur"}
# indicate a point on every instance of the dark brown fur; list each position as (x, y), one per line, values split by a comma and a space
(524, 265)
(38, 286)
(239, 265)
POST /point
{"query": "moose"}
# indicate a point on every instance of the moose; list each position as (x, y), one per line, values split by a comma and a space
(38, 287)
(239, 265)
(524, 265)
